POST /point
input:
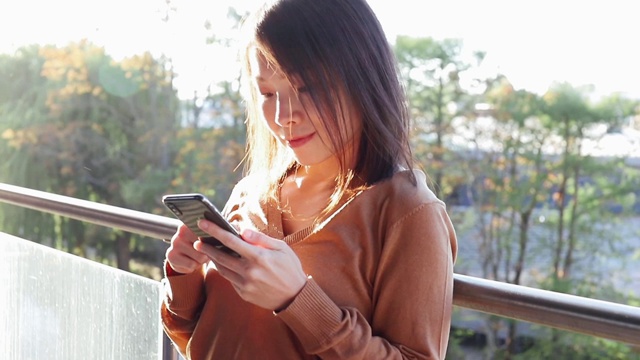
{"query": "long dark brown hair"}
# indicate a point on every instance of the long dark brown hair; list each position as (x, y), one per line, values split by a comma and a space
(338, 49)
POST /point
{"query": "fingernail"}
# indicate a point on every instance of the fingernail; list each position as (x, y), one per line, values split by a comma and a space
(202, 224)
(248, 234)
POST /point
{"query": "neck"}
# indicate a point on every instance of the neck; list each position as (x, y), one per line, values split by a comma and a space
(318, 176)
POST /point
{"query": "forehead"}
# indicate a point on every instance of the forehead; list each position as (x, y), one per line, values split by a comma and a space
(261, 68)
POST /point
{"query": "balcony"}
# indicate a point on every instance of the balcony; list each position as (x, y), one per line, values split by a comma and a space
(60, 306)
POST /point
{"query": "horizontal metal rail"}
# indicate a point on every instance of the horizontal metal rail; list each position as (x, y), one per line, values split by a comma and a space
(138, 222)
(568, 312)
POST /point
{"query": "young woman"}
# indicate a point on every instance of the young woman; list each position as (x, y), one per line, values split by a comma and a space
(345, 252)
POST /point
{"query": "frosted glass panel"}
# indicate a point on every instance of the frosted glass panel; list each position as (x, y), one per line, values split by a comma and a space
(58, 306)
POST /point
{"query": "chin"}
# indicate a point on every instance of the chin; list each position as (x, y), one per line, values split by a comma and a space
(312, 155)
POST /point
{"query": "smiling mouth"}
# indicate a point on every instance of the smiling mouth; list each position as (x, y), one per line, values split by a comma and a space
(297, 142)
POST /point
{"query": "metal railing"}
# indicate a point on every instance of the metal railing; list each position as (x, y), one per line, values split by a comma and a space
(562, 311)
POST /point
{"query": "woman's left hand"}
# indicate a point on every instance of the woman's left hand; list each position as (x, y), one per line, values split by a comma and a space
(268, 273)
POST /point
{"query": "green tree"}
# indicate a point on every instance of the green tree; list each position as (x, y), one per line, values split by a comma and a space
(505, 168)
(617, 111)
(23, 93)
(431, 70)
(102, 134)
(568, 114)
(210, 145)
(515, 160)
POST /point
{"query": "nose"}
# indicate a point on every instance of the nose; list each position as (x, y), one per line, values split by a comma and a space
(288, 109)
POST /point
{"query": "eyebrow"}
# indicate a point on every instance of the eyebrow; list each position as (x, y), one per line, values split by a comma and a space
(263, 79)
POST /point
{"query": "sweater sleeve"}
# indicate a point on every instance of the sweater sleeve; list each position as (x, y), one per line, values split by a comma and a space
(180, 310)
(412, 298)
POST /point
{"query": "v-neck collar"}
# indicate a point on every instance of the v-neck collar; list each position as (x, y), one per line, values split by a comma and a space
(274, 216)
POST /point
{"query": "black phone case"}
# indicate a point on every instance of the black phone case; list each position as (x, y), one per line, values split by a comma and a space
(190, 208)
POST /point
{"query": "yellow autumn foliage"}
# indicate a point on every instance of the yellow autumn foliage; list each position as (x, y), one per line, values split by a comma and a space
(69, 67)
(19, 138)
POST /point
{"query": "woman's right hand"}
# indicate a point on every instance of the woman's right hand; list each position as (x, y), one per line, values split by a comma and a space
(181, 255)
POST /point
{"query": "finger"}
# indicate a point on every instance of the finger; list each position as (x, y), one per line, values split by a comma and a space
(182, 245)
(183, 251)
(220, 257)
(182, 263)
(206, 249)
(188, 250)
(233, 277)
(228, 239)
(259, 239)
(185, 233)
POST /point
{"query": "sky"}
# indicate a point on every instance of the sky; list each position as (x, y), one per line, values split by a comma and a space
(534, 43)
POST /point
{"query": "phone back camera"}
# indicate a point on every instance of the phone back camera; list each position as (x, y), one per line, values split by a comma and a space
(175, 209)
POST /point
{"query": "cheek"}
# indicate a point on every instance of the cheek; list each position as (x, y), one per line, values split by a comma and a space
(268, 110)
(323, 133)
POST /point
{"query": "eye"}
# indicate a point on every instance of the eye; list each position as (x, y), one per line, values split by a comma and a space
(303, 90)
(266, 94)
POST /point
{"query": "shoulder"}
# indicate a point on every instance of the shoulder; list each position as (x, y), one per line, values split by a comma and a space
(396, 199)
(400, 190)
(413, 209)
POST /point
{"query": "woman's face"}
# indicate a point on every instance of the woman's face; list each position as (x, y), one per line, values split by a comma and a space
(292, 118)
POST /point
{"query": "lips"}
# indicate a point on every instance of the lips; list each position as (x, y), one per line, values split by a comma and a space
(299, 141)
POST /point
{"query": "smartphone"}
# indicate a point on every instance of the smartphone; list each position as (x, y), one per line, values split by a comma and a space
(190, 208)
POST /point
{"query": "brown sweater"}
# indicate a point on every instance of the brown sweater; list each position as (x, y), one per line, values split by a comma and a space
(380, 284)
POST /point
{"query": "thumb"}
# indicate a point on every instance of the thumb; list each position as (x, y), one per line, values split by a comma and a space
(259, 239)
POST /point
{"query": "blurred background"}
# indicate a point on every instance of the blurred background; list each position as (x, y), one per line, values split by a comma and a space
(526, 114)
